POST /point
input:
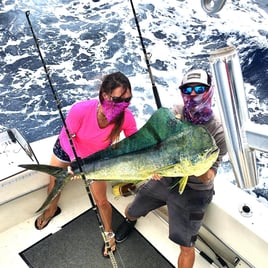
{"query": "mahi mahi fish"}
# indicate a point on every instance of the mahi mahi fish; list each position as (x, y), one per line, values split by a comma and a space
(165, 146)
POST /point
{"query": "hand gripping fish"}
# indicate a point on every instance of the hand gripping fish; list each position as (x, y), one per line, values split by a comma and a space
(164, 145)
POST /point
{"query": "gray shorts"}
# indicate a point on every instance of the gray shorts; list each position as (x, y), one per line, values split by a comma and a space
(185, 211)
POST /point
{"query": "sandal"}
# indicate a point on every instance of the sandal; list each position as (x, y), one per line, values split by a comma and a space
(47, 220)
(111, 239)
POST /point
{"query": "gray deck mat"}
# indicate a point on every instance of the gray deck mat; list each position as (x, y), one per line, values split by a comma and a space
(79, 243)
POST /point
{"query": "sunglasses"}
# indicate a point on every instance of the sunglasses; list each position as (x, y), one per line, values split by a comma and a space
(119, 99)
(197, 89)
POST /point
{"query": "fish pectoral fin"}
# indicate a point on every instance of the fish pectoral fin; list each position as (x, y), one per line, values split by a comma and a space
(183, 181)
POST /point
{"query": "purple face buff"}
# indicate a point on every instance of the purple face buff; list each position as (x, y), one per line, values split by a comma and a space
(197, 109)
(112, 110)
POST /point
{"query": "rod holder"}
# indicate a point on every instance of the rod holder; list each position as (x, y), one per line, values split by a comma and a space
(234, 114)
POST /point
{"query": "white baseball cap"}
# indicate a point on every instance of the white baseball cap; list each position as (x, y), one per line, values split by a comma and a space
(197, 76)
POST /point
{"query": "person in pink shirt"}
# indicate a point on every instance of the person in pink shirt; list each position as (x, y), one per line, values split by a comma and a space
(93, 125)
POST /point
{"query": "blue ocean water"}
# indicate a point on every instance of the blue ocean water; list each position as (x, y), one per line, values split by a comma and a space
(83, 40)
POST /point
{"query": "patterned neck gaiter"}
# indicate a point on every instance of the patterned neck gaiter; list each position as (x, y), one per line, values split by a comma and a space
(112, 110)
(198, 109)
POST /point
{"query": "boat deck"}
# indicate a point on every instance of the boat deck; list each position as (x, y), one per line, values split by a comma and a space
(226, 228)
(18, 232)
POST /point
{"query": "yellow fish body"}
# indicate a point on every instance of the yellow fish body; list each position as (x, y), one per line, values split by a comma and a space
(164, 145)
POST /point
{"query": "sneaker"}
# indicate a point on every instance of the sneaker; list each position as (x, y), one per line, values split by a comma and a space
(123, 230)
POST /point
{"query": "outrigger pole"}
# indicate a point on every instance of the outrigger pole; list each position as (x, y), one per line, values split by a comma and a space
(94, 207)
(156, 95)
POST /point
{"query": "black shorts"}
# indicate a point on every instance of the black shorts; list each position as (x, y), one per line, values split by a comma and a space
(185, 211)
(59, 153)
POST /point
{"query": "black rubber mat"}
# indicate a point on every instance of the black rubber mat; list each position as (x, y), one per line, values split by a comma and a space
(79, 243)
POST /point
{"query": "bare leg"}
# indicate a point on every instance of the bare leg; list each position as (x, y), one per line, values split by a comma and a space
(98, 189)
(186, 257)
(50, 211)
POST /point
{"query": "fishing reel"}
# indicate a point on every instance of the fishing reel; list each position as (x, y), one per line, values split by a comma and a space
(124, 189)
(212, 6)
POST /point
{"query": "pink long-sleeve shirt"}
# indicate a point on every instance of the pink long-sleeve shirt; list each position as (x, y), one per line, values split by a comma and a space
(88, 137)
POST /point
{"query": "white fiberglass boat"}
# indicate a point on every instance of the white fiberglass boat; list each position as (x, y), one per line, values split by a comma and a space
(235, 229)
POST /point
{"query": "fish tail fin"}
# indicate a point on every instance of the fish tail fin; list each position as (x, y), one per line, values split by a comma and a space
(58, 186)
(60, 182)
(61, 178)
(51, 170)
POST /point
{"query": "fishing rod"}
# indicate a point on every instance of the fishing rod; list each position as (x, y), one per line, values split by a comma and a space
(204, 255)
(156, 95)
(70, 136)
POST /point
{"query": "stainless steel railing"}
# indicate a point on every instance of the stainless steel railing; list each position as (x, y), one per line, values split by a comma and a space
(242, 135)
